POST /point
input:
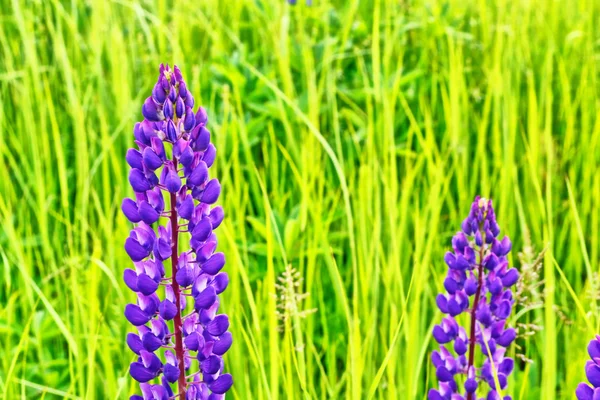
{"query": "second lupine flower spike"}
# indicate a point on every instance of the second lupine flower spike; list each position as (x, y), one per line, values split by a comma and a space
(172, 159)
(592, 372)
(477, 283)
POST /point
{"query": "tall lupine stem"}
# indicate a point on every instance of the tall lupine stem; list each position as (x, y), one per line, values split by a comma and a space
(477, 267)
(592, 372)
(472, 336)
(177, 325)
(195, 273)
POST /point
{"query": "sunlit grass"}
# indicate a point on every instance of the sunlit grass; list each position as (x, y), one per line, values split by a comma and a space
(351, 136)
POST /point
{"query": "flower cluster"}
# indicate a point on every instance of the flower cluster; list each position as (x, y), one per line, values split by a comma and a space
(172, 160)
(592, 371)
(477, 283)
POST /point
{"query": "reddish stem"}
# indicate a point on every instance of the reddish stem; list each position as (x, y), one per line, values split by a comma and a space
(177, 330)
(473, 312)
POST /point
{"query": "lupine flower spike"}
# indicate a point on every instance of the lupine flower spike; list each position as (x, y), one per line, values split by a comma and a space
(592, 372)
(172, 160)
(478, 285)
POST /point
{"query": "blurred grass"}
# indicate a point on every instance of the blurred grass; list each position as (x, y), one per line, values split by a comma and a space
(352, 137)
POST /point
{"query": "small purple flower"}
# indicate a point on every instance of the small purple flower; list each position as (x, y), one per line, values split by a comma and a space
(181, 175)
(478, 283)
(592, 371)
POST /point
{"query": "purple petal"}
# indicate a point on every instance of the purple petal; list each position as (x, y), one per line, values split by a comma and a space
(198, 175)
(185, 276)
(454, 308)
(223, 344)
(158, 93)
(211, 192)
(149, 304)
(189, 121)
(159, 148)
(130, 278)
(187, 157)
(450, 259)
(221, 384)
(168, 108)
(490, 262)
(443, 374)
(173, 182)
(220, 282)
(147, 213)
(150, 342)
(460, 346)
(461, 263)
(163, 249)
(203, 139)
(214, 264)
(218, 325)
(146, 285)
(150, 361)
(186, 208)
(135, 315)
(151, 159)
(594, 349)
(205, 299)
(192, 341)
(150, 111)
(140, 373)
(182, 89)
(506, 366)
(470, 286)
(442, 303)
(172, 92)
(202, 230)
(134, 159)
(470, 385)
(206, 251)
(592, 371)
(584, 392)
(167, 310)
(135, 250)
(179, 107)
(201, 116)
(211, 365)
(216, 216)
(134, 342)
(130, 210)
(171, 373)
(171, 131)
(495, 286)
(155, 199)
(451, 285)
(510, 278)
(138, 181)
(434, 395)
(189, 100)
(209, 155)
(503, 310)
(138, 134)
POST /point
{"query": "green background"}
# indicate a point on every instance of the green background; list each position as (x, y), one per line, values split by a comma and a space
(352, 137)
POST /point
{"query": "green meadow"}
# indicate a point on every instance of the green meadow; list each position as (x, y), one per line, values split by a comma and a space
(352, 137)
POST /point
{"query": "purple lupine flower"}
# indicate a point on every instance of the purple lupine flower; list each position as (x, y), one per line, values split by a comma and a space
(592, 372)
(172, 159)
(478, 283)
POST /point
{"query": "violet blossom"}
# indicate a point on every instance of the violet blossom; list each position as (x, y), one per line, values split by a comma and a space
(592, 372)
(477, 284)
(172, 161)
